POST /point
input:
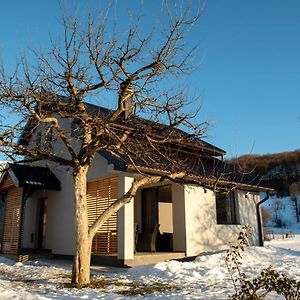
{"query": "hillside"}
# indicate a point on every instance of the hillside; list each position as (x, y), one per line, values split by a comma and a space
(279, 169)
(280, 215)
(282, 172)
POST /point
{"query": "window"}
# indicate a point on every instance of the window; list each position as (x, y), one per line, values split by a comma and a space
(38, 138)
(76, 128)
(226, 208)
(48, 142)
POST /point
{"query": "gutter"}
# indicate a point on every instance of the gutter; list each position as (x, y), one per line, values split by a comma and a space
(258, 216)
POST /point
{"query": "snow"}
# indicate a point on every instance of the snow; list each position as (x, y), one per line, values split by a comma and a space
(204, 278)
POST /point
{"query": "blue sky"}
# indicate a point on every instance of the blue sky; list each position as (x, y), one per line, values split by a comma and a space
(249, 75)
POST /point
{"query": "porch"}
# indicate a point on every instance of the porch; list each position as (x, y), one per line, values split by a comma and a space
(149, 229)
(147, 258)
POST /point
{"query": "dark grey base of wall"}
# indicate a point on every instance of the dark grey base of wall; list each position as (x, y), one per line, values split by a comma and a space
(62, 256)
(29, 254)
(108, 260)
(98, 260)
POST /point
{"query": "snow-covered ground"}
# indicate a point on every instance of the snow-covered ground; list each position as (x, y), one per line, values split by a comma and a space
(204, 278)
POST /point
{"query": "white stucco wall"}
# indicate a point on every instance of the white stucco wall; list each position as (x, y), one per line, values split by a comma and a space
(203, 234)
(60, 236)
(60, 216)
(165, 217)
(247, 213)
(99, 168)
(30, 221)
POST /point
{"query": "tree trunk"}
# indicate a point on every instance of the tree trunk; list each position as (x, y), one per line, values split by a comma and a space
(82, 257)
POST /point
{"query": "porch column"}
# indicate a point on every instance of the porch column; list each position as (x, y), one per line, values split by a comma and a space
(179, 218)
(125, 222)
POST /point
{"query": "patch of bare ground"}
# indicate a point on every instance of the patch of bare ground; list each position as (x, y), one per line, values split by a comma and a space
(126, 287)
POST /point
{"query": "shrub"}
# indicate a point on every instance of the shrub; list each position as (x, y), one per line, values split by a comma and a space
(267, 281)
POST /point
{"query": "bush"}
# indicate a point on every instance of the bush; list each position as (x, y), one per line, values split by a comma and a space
(267, 281)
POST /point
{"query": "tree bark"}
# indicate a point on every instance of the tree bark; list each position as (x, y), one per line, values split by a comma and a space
(82, 257)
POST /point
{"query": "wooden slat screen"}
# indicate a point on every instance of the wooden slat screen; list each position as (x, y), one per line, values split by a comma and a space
(12, 221)
(100, 195)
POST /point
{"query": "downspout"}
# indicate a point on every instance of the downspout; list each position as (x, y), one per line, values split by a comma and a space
(259, 225)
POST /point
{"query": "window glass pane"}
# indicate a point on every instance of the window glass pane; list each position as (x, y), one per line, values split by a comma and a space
(226, 211)
(76, 128)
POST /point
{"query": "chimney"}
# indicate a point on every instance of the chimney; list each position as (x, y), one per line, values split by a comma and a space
(125, 96)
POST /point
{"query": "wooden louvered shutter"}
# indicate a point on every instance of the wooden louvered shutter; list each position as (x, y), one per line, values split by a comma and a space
(100, 195)
(12, 221)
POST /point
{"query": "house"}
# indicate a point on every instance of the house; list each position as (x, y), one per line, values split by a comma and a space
(167, 220)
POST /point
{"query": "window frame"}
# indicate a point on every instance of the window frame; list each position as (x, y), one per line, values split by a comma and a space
(76, 130)
(227, 208)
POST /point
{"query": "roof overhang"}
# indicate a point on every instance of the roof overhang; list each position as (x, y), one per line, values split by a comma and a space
(21, 175)
(214, 179)
(207, 182)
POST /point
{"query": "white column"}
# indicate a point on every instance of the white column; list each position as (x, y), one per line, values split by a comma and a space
(125, 222)
(179, 218)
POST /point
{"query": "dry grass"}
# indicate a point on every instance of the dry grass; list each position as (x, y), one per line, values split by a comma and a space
(128, 288)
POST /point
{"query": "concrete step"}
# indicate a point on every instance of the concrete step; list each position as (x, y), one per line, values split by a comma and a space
(147, 258)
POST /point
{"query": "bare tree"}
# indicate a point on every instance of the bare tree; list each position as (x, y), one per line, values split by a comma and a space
(129, 68)
(294, 194)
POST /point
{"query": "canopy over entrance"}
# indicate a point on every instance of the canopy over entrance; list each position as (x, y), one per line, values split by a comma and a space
(17, 183)
(29, 176)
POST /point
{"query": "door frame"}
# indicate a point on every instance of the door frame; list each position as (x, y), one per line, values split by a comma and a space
(42, 222)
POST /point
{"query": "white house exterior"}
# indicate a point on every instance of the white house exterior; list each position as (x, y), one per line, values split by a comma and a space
(192, 218)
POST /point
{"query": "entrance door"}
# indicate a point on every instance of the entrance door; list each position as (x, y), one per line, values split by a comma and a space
(157, 208)
(42, 218)
(149, 210)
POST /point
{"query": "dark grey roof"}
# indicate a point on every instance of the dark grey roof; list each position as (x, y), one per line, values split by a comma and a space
(32, 176)
(205, 168)
(135, 122)
(159, 129)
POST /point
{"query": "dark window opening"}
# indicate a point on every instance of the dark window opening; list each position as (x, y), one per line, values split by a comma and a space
(38, 139)
(76, 128)
(48, 144)
(226, 208)
(156, 220)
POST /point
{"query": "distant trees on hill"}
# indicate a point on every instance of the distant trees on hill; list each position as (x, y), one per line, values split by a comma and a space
(280, 169)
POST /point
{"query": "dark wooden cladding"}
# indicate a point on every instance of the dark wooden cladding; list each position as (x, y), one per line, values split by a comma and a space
(12, 221)
(6, 182)
(100, 195)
